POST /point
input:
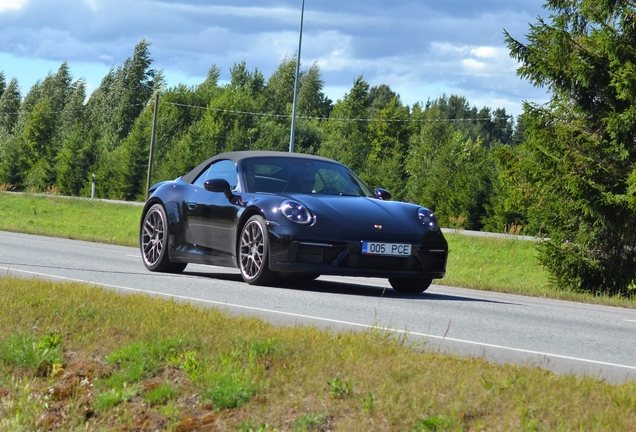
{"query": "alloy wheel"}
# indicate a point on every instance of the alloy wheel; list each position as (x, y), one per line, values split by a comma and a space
(252, 249)
(153, 239)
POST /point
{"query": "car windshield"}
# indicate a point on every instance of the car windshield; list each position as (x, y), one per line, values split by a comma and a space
(301, 175)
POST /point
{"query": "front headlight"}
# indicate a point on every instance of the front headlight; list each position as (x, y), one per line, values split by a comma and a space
(296, 212)
(428, 219)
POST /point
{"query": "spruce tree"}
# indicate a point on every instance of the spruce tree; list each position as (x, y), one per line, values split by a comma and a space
(580, 148)
(9, 107)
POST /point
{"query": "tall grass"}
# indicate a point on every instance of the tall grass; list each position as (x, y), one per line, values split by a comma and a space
(140, 363)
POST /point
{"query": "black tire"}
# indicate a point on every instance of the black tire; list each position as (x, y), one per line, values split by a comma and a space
(154, 241)
(253, 252)
(410, 285)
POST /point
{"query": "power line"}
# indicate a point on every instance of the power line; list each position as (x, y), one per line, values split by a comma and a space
(260, 114)
(69, 111)
(324, 118)
(227, 110)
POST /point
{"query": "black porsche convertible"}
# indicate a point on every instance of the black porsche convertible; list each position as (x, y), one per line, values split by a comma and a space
(275, 214)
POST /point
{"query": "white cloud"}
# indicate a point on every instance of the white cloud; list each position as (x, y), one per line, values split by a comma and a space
(11, 4)
(106, 58)
(485, 52)
(420, 49)
(285, 15)
(92, 4)
(472, 66)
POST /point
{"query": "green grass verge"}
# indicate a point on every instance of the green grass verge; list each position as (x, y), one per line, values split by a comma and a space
(508, 265)
(81, 357)
(74, 218)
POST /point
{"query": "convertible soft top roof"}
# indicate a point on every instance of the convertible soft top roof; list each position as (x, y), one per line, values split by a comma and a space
(240, 155)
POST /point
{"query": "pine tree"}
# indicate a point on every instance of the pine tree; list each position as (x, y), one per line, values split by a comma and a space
(123, 95)
(580, 160)
(9, 107)
(345, 139)
(389, 138)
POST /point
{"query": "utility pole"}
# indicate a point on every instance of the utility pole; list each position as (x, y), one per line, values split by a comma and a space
(300, 42)
(152, 143)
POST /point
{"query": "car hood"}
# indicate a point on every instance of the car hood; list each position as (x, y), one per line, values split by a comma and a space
(360, 214)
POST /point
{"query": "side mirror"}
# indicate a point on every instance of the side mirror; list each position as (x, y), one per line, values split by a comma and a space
(382, 194)
(219, 185)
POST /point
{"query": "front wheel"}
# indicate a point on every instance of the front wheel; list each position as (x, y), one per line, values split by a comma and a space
(254, 252)
(154, 242)
(410, 285)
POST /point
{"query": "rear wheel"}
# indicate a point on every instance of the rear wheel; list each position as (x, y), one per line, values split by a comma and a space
(410, 285)
(154, 242)
(254, 252)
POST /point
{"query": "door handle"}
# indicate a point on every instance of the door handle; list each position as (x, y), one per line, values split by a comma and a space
(191, 205)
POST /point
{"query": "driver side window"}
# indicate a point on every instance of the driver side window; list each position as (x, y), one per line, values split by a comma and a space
(225, 169)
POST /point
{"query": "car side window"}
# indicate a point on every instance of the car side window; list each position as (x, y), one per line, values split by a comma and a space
(201, 179)
(224, 169)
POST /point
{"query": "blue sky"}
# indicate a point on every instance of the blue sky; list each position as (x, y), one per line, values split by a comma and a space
(421, 49)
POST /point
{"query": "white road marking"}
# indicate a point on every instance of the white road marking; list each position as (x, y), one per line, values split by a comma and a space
(353, 324)
(630, 320)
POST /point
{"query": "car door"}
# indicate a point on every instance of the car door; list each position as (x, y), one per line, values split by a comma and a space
(211, 215)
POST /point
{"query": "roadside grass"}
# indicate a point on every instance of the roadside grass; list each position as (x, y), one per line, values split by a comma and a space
(485, 263)
(74, 218)
(509, 265)
(494, 264)
(134, 362)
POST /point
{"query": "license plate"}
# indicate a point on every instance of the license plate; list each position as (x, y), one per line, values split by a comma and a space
(389, 249)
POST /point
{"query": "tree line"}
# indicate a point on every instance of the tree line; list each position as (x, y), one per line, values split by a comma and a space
(440, 153)
(565, 169)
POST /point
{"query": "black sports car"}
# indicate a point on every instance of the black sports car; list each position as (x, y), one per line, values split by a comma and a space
(288, 214)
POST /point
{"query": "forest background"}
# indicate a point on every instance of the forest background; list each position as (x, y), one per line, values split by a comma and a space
(442, 153)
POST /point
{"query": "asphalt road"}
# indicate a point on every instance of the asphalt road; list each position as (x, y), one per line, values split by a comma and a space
(565, 337)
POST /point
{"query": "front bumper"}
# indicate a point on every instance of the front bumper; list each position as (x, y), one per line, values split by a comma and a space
(290, 253)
